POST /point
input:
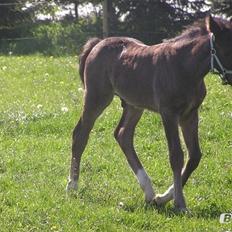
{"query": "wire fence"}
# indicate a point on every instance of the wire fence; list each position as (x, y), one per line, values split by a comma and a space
(10, 4)
(67, 44)
(58, 37)
(20, 3)
(18, 39)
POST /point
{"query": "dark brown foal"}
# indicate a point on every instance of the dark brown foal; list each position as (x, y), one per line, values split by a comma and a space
(167, 78)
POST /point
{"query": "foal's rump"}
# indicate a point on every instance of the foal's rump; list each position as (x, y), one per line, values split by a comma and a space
(90, 44)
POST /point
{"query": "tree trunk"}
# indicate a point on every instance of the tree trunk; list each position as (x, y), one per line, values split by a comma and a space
(76, 4)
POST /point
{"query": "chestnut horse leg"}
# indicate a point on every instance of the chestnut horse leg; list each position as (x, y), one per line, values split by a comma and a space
(124, 134)
(176, 157)
(94, 105)
(190, 132)
(189, 128)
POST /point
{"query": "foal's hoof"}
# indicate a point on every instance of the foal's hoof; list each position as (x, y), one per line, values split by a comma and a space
(149, 202)
(159, 201)
(149, 199)
(71, 186)
(183, 210)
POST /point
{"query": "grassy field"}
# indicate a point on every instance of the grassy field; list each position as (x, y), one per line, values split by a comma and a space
(40, 102)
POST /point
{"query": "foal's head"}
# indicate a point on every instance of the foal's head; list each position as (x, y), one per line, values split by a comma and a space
(222, 43)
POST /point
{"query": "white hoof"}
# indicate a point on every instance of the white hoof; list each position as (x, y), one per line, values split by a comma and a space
(72, 185)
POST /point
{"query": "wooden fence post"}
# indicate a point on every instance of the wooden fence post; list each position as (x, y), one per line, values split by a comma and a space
(106, 19)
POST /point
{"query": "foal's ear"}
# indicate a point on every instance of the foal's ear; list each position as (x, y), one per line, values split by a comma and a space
(212, 25)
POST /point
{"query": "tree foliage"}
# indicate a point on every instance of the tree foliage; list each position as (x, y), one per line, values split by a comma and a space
(147, 20)
(222, 7)
(152, 21)
(12, 15)
(11, 12)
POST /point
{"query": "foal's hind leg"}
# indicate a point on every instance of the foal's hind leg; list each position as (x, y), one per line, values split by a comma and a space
(94, 104)
(124, 134)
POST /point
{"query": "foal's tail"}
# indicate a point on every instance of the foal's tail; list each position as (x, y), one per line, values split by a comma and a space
(90, 44)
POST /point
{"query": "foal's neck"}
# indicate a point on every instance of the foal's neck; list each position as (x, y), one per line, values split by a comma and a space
(199, 57)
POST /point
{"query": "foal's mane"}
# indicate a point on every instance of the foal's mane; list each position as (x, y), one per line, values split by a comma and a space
(198, 28)
(191, 31)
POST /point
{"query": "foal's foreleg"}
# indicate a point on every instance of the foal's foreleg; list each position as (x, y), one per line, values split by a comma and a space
(124, 134)
(176, 157)
(190, 132)
(189, 128)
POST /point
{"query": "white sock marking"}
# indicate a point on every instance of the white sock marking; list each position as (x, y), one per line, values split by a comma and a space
(165, 197)
(145, 184)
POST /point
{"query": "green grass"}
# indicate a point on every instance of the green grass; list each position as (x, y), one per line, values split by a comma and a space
(40, 102)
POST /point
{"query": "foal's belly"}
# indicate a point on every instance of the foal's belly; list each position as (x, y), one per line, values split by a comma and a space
(136, 91)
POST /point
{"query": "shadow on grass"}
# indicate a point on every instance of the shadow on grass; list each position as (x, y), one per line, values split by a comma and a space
(211, 211)
(168, 211)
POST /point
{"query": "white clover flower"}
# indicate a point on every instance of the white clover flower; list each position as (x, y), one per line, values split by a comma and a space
(80, 90)
(64, 109)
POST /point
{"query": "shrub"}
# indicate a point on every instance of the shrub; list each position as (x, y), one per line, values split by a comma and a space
(54, 38)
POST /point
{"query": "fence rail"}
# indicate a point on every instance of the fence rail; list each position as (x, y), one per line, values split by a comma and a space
(19, 3)
(18, 39)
